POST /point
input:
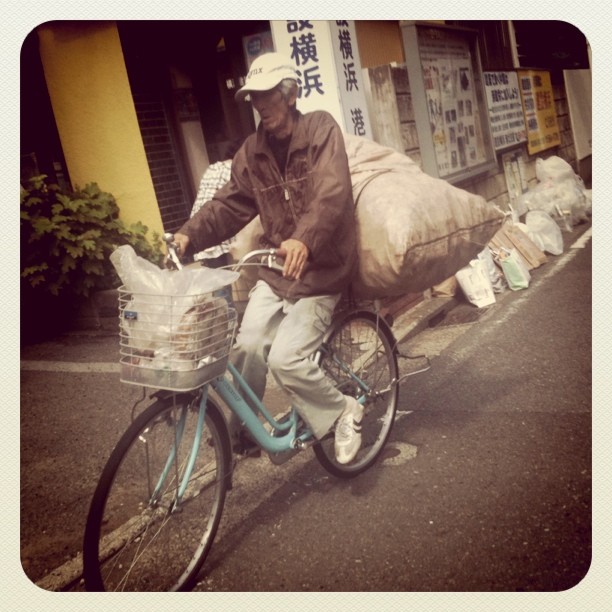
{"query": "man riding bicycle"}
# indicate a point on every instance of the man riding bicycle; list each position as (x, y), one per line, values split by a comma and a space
(294, 173)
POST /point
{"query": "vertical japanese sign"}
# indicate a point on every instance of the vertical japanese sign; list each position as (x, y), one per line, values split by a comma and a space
(516, 175)
(352, 95)
(452, 104)
(329, 71)
(539, 109)
(505, 109)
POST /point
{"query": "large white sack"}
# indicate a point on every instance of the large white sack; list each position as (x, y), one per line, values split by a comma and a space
(414, 231)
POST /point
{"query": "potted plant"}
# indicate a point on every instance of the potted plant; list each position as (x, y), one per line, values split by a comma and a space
(66, 240)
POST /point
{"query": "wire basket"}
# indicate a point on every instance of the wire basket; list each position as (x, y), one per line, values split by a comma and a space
(177, 342)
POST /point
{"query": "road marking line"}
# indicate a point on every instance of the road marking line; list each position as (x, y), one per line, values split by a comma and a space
(582, 241)
(399, 453)
(557, 265)
(68, 366)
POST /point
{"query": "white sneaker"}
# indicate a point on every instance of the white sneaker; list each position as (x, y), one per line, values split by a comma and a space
(348, 431)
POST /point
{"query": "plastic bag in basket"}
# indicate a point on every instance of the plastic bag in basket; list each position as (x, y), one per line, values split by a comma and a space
(167, 315)
(141, 276)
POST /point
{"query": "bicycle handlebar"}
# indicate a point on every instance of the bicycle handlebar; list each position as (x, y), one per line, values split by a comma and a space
(267, 257)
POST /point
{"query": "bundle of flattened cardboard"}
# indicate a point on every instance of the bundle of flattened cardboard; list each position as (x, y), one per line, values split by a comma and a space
(512, 237)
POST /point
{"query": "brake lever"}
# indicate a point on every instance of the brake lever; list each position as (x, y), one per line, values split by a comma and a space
(172, 255)
(272, 262)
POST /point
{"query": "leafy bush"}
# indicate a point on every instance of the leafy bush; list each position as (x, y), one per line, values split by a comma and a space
(67, 238)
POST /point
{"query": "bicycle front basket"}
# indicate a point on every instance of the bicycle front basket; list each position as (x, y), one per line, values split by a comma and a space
(174, 342)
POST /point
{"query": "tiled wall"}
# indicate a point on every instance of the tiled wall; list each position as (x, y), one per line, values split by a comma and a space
(162, 156)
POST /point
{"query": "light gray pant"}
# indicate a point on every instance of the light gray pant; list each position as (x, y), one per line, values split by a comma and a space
(282, 334)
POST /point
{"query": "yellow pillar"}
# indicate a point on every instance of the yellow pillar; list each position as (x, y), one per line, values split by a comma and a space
(95, 115)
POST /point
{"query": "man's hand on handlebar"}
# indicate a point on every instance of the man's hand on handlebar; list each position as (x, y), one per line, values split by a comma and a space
(176, 245)
(182, 243)
(296, 255)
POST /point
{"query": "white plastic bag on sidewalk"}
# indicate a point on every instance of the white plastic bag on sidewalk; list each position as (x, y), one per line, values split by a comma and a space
(544, 231)
(554, 169)
(560, 192)
(475, 284)
(495, 276)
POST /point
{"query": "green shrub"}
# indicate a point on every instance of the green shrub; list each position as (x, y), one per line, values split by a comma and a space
(67, 238)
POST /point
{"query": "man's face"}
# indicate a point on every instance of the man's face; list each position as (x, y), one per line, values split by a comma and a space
(275, 112)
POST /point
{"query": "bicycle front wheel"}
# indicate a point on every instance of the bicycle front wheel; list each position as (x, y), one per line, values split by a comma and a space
(359, 358)
(157, 506)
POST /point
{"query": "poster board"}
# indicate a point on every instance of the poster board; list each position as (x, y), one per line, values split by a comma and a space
(505, 109)
(539, 109)
(449, 100)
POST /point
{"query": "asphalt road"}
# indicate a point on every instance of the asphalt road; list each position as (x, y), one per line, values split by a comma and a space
(486, 484)
(489, 487)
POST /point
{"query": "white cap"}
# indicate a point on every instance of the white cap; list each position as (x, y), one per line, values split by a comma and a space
(266, 72)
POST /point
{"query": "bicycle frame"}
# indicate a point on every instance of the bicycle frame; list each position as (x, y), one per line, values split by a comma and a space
(288, 441)
(284, 435)
(182, 452)
(282, 439)
(157, 493)
(270, 443)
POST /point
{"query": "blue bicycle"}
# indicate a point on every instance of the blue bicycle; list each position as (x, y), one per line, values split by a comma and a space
(160, 497)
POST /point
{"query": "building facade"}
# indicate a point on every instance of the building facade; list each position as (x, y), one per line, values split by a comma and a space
(142, 108)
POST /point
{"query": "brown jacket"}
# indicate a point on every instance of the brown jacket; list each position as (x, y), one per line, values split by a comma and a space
(310, 201)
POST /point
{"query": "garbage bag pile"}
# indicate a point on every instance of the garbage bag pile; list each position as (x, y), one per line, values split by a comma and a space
(506, 262)
(557, 203)
(560, 192)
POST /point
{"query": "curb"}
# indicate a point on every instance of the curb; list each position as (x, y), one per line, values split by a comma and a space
(422, 316)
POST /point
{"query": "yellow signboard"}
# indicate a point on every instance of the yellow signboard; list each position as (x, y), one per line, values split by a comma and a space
(539, 108)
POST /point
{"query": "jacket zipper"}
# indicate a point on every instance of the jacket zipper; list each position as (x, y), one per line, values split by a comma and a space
(283, 181)
(286, 190)
(288, 200)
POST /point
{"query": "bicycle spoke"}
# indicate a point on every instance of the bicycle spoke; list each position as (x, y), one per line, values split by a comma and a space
(157, 539)
(359, 358)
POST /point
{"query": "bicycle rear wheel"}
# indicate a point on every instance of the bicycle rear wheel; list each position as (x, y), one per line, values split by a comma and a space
(143, 532)
(359, 353)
